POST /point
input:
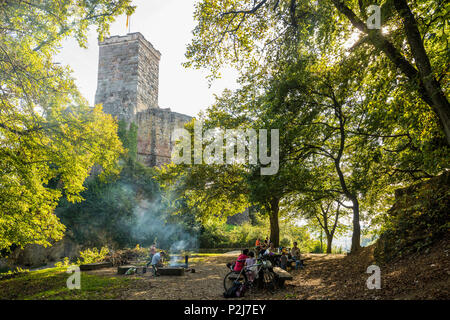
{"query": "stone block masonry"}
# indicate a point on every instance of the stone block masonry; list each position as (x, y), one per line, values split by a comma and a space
(128, 84)
(155, 128)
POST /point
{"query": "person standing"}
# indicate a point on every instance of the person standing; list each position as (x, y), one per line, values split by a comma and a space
(156, 262)
(152, 253)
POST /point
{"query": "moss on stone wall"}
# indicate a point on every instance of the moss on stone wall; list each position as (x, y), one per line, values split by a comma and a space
(419, 217)
(128, 136)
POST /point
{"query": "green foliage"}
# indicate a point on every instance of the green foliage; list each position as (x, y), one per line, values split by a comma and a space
(259, 37)
(107, 215)
(13, 273)
(128, 136)
(222, 235)
(92, 255)
(355, 123)
(63, 264)
(49, 137)
(128, 210)
(318, 247)
(285, 242)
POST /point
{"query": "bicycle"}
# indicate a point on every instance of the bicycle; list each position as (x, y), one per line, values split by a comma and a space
(265, 275)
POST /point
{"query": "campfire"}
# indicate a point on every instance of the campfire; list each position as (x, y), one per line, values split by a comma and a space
(177, 258)
(173, 268)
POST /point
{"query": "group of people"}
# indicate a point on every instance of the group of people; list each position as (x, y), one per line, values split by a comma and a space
(287, 254)
(155, 259)
(266, 247)
(247, 258)
(291, 255)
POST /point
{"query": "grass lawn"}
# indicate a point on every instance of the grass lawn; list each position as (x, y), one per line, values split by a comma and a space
(50, 284)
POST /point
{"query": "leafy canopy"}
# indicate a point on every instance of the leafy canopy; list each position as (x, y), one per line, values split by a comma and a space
(49, 137)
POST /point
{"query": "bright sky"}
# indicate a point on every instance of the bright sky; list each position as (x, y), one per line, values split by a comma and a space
(168, 25)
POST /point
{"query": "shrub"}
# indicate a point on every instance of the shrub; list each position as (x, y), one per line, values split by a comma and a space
(285, 242)
(13, 273)
(64, 263)
(92, 255)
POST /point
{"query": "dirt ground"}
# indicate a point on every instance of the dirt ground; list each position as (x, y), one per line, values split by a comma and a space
(424, 276)
(205, 284)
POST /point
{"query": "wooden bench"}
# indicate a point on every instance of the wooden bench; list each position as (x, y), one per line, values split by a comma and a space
(281, 276)
(95, 266)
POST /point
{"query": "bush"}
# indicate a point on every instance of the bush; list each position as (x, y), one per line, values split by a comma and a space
(317, 248)
(92, 255)
(64, 263)
(285, 242)
(13, 273)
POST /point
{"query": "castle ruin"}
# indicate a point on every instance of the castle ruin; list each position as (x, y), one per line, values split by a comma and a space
(128, 84)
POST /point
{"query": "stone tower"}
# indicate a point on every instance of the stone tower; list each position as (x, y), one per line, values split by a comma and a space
(128, 76)
(128, 79)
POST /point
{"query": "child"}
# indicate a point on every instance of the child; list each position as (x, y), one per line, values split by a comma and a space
(283, 261)
(240, 262)
(249, 262)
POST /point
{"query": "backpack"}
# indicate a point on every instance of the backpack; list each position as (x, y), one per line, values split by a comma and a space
(241, 290)
(237, 290)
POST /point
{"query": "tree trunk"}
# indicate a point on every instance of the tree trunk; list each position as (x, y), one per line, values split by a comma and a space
(321, 241)
(356, 237)
(274, 225)
(329, 242)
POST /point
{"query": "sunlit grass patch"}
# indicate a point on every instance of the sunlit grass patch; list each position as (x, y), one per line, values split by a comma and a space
(50, 284)
(195, 257)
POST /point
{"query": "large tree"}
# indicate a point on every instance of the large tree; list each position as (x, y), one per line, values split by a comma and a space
(222, 190)
(49, 137)
(256, 35)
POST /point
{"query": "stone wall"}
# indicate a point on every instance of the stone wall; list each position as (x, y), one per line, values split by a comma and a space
(155, 129)
(33, 256)
(417, 220)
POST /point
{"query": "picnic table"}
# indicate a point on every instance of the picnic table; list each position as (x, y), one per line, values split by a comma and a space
(281, 276)
(274, 259)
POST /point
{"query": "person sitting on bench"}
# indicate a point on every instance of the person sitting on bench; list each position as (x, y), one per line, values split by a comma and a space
(249, 263)
(240, 262)
(296, 256)
(271, 250)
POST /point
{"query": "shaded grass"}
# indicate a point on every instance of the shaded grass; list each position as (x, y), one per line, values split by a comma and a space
(50, 284)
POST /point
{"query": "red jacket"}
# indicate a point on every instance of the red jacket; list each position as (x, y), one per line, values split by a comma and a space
(240, 262)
